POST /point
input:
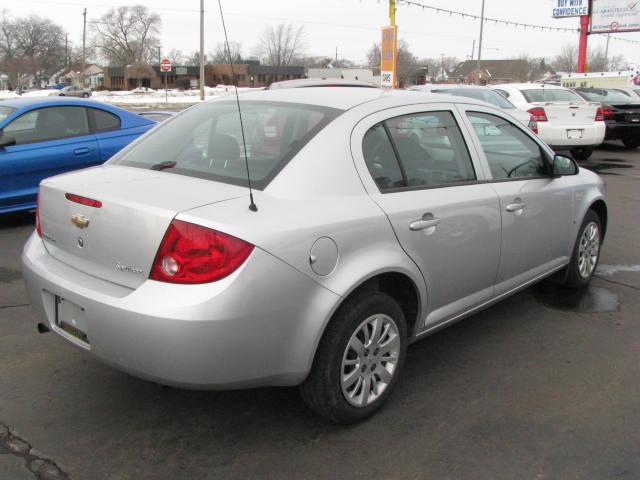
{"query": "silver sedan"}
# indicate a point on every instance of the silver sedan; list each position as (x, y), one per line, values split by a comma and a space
(376, 218)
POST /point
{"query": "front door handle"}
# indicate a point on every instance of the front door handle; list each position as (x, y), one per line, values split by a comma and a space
(81, 151)
(427, 222)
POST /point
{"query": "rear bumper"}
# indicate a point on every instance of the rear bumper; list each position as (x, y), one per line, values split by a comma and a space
(557, 136)
(622, 131)
(257, 327)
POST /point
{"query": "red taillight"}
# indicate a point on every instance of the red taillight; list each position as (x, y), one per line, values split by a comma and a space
(533, 125)
(538, 114)
(89, 202)
(38, 226)
(190, 253)
(605, 112)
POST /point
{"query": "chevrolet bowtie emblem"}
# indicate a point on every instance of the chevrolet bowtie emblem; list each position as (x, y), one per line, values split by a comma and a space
(79, 220)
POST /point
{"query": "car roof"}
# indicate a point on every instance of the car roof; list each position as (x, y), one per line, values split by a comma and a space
(321, 82)
(447, 86)
(345, 98)
(528, 86)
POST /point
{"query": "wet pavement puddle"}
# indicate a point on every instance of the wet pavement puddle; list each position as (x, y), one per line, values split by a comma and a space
(609, 270)
(588, 300)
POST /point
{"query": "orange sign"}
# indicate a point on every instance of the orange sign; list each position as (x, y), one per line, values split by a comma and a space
(389, 57)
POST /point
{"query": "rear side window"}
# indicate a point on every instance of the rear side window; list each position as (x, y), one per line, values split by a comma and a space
(206, 141)
(428, 151)
(606, 96)
(51, 123)
(104, 121)
(485, 95)
(504, 93)
(550, 95)
(511, 153)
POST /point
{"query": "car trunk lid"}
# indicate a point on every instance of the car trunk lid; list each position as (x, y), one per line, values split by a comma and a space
(569, 113)
(118, 240)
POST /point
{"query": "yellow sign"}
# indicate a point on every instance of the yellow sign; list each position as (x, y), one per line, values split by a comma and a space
(389, 57)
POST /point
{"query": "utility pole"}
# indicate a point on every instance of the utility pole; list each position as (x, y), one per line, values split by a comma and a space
(201, 50)
(84, 45)
(336, 54)
(606, 51)
(473, 50)
(479, 66)
(159, 47)
(443, 71)
(66, 50)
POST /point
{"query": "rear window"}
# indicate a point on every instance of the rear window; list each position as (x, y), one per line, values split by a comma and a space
(550, 95)
(487, 95)
(606, 96)
(206, 141)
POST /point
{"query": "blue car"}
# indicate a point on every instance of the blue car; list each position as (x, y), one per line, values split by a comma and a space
(41, 137)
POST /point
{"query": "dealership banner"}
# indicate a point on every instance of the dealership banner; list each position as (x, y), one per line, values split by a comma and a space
(570, 8)
(611, 16)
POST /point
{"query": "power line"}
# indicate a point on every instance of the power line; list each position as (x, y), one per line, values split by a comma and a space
(497, 21)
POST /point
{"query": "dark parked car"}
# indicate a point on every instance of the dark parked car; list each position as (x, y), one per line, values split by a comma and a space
(42, 137)
(620, 112)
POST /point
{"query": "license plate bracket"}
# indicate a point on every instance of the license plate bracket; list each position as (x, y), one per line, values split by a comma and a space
(575, 134)
(71, 318)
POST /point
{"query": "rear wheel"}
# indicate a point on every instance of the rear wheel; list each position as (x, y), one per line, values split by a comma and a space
(358, 360)
(581, 153)
(586, 252)
(85, 95)
(631, 142)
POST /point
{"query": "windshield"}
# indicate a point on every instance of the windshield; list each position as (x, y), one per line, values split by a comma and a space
(206, 141)
(606, 96)
(550, 95)
(5, 112)
(487, 95)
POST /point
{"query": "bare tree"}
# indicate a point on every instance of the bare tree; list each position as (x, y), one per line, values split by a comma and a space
(567, 59)
(220, 55)
(281, 45)
(127, 35)
(30, 46)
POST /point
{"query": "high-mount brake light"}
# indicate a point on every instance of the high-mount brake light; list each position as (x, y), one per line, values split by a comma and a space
(89, 202)
(38, 225)
(539, 115)
(191, 253)
(605, 112)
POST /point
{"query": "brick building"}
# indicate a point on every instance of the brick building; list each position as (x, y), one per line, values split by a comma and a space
(250, 74)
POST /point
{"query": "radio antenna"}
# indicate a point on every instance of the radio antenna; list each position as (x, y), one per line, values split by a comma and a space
(252, 206)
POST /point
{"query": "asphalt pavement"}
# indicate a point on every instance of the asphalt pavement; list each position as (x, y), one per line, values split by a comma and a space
(545, 385)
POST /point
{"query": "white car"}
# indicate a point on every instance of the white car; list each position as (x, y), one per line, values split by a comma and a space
(564, 120)
(479, 92)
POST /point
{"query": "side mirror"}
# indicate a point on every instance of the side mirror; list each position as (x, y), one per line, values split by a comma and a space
(7, 140)
(563, 166)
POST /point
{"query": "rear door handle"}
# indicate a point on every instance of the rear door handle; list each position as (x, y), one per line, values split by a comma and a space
(428, 221)
(81, 151)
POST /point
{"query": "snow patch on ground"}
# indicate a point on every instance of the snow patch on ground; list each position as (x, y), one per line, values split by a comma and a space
(146, 96)
(8, 94)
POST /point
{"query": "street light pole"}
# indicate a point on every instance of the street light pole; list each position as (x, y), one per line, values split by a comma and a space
(480, 40)
(201, 50)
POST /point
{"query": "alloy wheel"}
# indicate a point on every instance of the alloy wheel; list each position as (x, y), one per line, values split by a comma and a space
(370, 360)
(589, 250)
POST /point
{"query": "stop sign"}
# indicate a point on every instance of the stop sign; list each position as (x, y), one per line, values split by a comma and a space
(165, 65)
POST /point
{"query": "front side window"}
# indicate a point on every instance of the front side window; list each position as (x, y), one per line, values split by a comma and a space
(207, 141)
(510, 152)
(50, 123)
(417, 151)
(550, 95)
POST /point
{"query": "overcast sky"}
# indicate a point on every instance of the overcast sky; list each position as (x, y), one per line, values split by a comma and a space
(350, 25)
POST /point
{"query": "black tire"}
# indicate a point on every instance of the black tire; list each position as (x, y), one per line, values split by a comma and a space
(322, 390)
(85, 95)
(582, 153)
(573, 277)
(631, 142)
